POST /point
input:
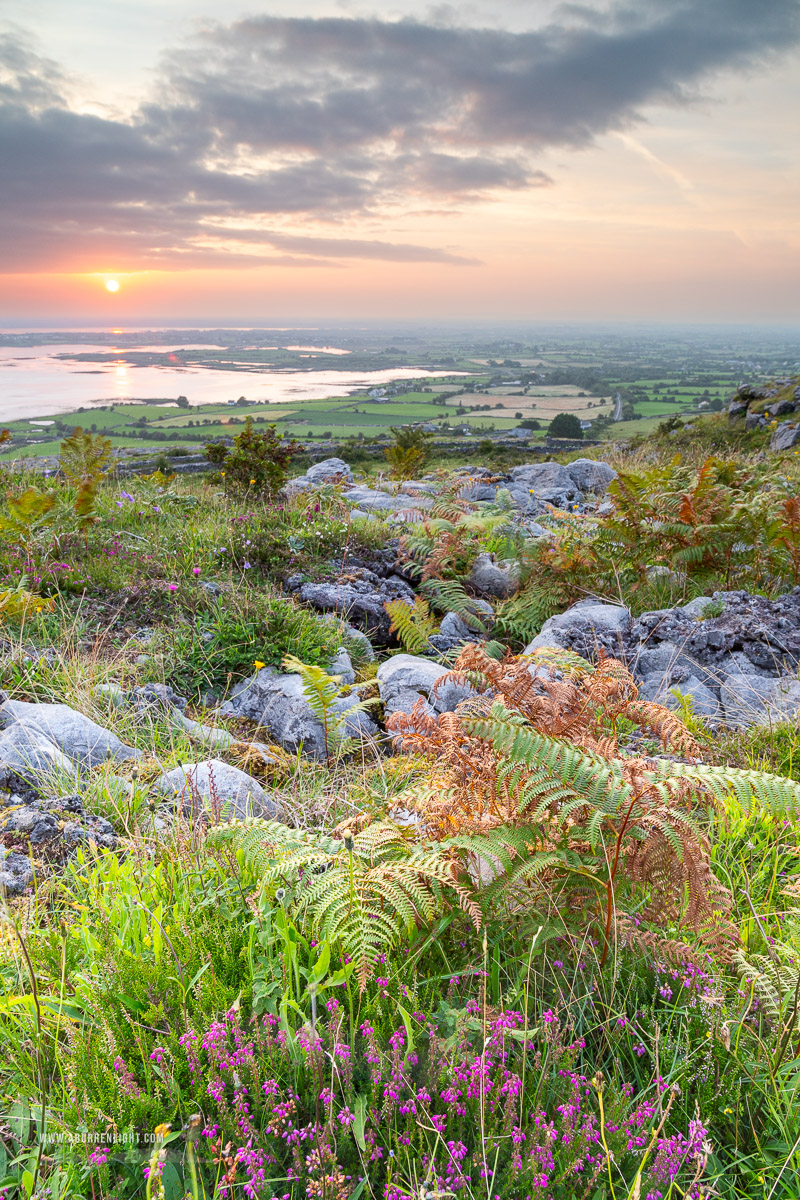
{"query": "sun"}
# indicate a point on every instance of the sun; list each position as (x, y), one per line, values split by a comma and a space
(112, 285)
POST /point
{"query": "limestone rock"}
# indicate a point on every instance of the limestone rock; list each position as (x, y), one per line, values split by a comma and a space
(28, 760)
(78, 737)
(16, 873)
(342, 667)
(329, 468)
(213, 781)
(494, 577)
(785, 436)
(660, 688)
(277, 703)
(759, 699)
(549, 482)
(590, 476)
(585, 627)
(403, 678)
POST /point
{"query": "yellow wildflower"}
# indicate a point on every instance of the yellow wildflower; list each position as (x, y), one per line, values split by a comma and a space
(258, 665)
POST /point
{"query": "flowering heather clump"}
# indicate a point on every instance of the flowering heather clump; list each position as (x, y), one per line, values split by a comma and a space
(454, 1109)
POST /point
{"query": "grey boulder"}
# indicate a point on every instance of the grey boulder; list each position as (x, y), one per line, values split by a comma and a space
(548, 482)
(29, 760)
(329, 468)
(585, 627)
(78, 737)
(494, 577)
(360, 600)
(199, 786)
(369, 500)
(342, 667)
(590, 476)
(277, 703)
(404, 678)
(785, 436)
(661, 689)
(759, 699)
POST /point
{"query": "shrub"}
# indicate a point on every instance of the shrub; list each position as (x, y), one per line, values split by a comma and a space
(565, 425)
(256, 465)
(227, 638)
(409, 453)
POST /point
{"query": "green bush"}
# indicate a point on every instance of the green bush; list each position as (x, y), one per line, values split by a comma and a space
(256, 465)
(224, 641)
(565, 425)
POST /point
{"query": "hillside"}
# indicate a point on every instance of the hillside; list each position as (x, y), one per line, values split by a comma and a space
(404, 826)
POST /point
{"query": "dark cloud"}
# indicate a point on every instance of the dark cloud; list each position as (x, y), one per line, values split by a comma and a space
(324, 119)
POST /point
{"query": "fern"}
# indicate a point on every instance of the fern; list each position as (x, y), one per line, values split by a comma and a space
(413, 624)
(321, 692)
(365, 892)
(531, 764)
(83, 458)
(450, 595)
(16, 603)
(25, 515)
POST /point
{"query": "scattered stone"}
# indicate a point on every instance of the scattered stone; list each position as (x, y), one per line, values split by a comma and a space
(112, 693)
(203, 785)
(589, 475)
(328, 469)
(79, 738)
(493, 577)
(54, 825)
(371, 501)
(359, 598)
(277, 703)
(342, 667)
(213, 589)
(403, 678)
(16, 873)
(207, 735)
(157, 697)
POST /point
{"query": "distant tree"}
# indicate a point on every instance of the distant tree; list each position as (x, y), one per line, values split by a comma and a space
(182, 402)
(530, 423)
(517, 416)
(565, 425)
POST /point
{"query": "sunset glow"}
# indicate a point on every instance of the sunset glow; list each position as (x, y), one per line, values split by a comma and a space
(542, 160)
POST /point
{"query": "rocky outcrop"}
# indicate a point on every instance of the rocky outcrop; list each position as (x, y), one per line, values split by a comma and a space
(277, 703)
(491, 576)
(587, 627)
(734, 655)
(405, 678)
(216, 788)
(358, 597)
(531, 486)
(78, 738)
(44, 742)
(49, 828)
(762, 406)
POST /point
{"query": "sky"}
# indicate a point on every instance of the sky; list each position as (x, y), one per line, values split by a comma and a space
(335, 159)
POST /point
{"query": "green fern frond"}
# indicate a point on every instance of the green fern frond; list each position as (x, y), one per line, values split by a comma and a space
(450, 595)
(779, 795)
(413, 624)
(366, 894)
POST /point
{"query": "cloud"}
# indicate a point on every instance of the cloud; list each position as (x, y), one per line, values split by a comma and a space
(303, 120)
